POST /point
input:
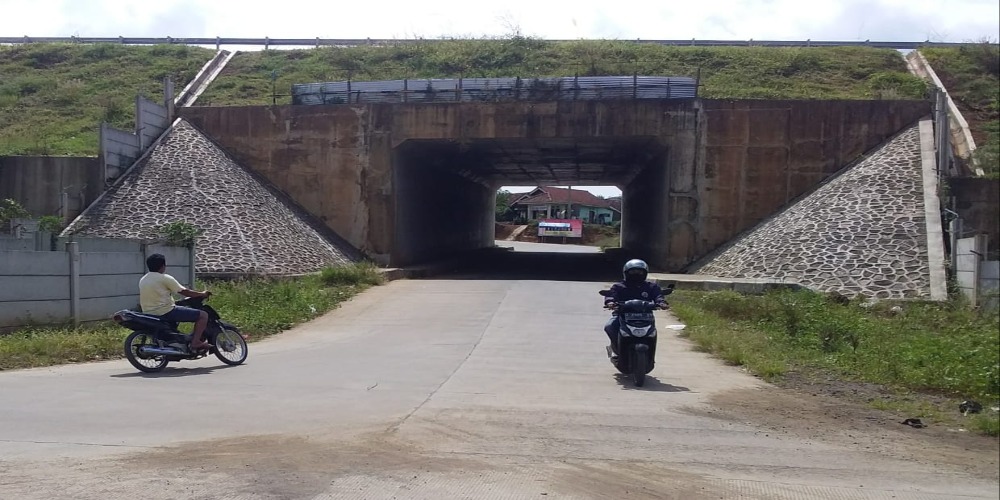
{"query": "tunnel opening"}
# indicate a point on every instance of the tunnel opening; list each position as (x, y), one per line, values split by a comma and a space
(445, 191)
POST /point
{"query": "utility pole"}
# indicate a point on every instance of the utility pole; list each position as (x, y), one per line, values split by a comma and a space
(569, 203)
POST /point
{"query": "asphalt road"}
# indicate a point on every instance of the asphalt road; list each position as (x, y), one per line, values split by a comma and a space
(460, 387)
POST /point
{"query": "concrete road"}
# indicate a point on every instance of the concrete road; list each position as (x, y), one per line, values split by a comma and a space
(436, 389)
(524, 246)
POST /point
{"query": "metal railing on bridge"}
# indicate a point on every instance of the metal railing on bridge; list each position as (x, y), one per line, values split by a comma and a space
(267, 42)
(496, 89)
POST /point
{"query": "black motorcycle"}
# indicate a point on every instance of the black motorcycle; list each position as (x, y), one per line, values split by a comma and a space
(636, 340)
(154, 342)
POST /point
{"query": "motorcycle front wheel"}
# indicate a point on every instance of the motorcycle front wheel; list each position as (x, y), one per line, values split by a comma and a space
(143, 363)
(230, 347)
(639, 368)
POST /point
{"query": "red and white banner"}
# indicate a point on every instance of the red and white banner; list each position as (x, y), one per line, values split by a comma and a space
(567, 228)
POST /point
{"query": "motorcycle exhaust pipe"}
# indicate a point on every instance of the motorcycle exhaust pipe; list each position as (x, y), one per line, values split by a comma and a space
(156, 351)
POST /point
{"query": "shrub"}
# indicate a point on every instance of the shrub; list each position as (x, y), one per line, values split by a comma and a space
(180, 233)
(361, 274)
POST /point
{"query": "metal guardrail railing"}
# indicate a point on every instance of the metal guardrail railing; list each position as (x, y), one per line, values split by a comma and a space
(350, 42)
(495, 89)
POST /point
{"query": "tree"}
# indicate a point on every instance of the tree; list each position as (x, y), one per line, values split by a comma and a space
(10, 209)
(503, 205)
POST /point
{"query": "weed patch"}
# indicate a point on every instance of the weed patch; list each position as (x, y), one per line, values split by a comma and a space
(941, 350)
(365, 274)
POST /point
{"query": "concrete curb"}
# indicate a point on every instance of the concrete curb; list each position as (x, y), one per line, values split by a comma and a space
(961, 136)
(436, 268)
(932, 214)
(705, 283)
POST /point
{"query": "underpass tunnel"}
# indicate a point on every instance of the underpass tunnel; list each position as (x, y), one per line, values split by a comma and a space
(445, 190)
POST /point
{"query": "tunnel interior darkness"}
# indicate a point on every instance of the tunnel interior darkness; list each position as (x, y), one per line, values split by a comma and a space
(445, 189)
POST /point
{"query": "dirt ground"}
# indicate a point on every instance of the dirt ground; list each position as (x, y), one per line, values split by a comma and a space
(838, 412)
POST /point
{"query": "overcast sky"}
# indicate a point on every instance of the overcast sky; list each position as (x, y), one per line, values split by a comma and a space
(886, 20)
(911, 20)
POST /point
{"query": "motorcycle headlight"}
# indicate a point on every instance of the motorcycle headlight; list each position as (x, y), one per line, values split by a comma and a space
(639, 332)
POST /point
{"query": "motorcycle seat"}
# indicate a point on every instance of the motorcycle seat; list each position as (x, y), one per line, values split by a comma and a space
(134, 319)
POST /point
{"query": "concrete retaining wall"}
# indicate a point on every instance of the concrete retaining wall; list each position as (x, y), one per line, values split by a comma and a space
(38, 183)
(88, 281)
(728, 164)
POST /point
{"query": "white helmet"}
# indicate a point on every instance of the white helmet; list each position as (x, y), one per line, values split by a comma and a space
(635, 270)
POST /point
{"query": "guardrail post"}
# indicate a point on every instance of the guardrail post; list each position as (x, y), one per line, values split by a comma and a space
(73, 251)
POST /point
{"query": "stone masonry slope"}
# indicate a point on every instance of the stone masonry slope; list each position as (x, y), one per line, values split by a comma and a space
(246, 228)
(862, 233)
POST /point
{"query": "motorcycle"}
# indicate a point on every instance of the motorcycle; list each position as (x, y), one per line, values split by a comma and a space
(155, 342)
(636, 337)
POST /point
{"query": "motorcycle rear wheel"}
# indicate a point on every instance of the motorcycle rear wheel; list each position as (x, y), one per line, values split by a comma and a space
(146, 364)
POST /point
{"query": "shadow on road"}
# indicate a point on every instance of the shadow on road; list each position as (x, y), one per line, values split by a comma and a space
(652, 384)
(535, 266)
(174, 372)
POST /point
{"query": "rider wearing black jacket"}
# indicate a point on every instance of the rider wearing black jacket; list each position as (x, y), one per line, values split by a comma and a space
(633, 286)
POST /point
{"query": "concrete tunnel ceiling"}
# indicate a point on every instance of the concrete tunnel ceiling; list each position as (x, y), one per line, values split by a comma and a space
(602, 161)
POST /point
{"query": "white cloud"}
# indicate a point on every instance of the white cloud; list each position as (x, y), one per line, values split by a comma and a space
(911, 20)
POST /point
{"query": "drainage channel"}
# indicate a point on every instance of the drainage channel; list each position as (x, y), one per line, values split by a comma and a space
(205, 77)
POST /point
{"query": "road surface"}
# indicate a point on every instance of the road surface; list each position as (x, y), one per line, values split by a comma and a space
(462, 387)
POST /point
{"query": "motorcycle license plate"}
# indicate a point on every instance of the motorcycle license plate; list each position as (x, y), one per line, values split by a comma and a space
(637, 316)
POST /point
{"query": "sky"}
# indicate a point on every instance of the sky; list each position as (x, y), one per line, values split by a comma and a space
(909, 20)
(877, 20)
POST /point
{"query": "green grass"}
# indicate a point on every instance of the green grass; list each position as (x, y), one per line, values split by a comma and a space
(971, 74)
(726, 72)
(260, 307)
(53, 97)
(601, 236)
(364, 274)
(939, 350)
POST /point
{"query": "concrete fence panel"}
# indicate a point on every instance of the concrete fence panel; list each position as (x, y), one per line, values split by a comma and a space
(34, 287)
(111, 263)
(52, 287)
(119, 149)
(15, 264)
(19, 244)
(989, 284)
(151, 121)
(103, 308)
(115, 285)
(102, 244)
(23, 313)
(967, 257)
(28, 288)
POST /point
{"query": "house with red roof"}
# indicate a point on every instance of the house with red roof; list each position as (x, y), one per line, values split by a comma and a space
(546, 202)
